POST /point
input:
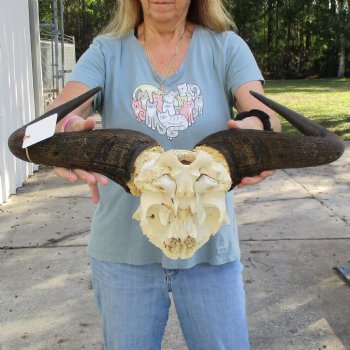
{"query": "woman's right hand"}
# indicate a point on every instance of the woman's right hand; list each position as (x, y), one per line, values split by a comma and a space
(74, 175)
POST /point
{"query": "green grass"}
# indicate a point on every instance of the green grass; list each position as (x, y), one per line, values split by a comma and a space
(326, 101)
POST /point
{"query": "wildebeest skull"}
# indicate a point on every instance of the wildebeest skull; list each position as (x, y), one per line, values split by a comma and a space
(182, 192)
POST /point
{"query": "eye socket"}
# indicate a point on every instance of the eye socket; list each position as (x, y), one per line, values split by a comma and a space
(165, 183)
(205, 183)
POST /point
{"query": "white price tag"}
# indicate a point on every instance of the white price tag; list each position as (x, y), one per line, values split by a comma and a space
(39, 131)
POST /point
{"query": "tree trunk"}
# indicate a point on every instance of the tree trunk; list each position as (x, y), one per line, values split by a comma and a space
(342, 40)
(342, 56)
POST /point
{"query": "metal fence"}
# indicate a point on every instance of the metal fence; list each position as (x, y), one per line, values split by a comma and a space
(57, 61)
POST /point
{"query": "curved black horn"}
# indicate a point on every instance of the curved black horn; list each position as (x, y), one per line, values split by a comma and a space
(16, 138)
(111, 152)
(301, 123)
(67, 107)
(249, 152)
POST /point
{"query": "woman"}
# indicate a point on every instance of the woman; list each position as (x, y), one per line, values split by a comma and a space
(173, 70)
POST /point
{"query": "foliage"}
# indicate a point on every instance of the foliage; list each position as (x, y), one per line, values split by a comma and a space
(289, 38)
(83, 19)
(295, 38)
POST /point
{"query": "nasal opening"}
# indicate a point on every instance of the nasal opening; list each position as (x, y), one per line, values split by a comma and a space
(186, 157)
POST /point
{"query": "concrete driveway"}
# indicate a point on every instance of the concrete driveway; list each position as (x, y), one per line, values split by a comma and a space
(294, 229)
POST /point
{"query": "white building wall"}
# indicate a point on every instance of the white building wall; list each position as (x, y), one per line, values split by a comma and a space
(16, 90)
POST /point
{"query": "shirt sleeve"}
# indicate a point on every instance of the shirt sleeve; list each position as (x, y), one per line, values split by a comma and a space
(241, 66)
(90, 70)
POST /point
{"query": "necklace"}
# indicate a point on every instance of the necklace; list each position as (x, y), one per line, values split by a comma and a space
(161, 81)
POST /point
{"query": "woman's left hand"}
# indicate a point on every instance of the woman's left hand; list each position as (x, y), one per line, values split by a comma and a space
(256, 124)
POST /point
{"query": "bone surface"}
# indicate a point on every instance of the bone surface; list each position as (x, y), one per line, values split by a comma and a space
(183, 200)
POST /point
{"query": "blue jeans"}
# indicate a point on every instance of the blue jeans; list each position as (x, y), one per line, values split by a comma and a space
(134, 303)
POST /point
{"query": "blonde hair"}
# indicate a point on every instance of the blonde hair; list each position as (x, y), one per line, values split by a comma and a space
(207, 13)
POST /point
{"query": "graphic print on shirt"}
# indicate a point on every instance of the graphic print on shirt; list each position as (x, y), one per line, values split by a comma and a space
(169, 112)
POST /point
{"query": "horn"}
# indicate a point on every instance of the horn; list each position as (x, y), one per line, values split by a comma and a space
(16, 138)
(249, 152)
(110, 152)
(301, 123)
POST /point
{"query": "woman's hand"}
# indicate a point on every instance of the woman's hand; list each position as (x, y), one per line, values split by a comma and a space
(256, 124)
(73, 175)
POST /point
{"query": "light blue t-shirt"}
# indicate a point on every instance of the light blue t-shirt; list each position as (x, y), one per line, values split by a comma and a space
(198, 101)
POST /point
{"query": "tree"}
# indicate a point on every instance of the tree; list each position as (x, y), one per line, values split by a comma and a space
(343, 25)
(295, 38)
(83, 19)
(289, 38)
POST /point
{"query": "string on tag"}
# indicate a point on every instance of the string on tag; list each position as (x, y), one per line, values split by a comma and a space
(27, 154)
